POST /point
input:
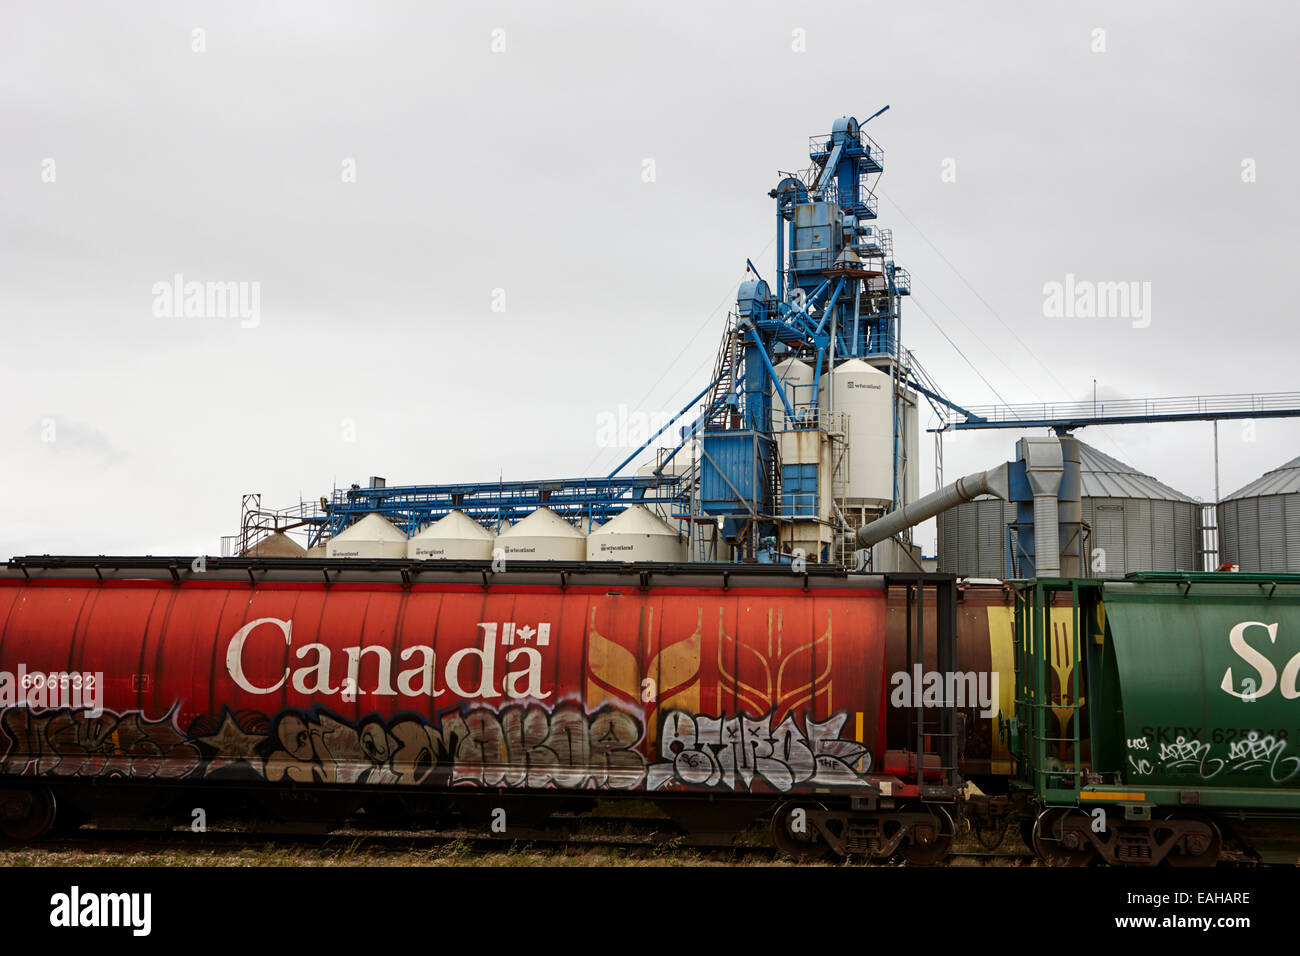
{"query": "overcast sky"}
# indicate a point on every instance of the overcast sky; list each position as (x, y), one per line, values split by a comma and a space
(461, 265)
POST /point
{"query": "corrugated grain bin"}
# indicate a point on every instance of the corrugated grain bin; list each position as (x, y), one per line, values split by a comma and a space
(971, 537)
(276, 545)
(1259, 525)
(1137, 522)
(543, 536)
(455, 536)
(635, 535)
(371, 537)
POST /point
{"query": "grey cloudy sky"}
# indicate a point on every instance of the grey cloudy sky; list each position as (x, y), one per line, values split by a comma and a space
(521, 170)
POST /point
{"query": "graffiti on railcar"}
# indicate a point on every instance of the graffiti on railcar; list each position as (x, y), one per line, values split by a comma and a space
(73, 743)
(669, 680)
(520, 745)
(514, 746)
(737, 752)
(1250, 752)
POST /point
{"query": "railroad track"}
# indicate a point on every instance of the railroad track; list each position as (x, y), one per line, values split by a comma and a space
(378, 841)
(649, 836)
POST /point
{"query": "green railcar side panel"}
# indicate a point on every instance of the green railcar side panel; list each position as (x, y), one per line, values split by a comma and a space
(1209, 681)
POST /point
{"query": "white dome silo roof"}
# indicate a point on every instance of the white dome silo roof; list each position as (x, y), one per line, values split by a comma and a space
(636, 535)
(372, 537)
(455, 536)
(543, 536)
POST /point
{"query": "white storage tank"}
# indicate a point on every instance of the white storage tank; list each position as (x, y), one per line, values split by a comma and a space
(796, 378)
(543, 536)
(454, 537)
(863, 393)
(636, 535)
(910, 486)
(371, 537)
(1259, 525)
(276, 545)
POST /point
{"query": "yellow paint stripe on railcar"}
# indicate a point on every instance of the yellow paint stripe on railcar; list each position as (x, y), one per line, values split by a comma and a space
(1110, 795)
(1002, 626)
(857, 733)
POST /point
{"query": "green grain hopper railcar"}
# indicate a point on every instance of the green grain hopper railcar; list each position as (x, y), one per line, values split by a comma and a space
(1169, 731)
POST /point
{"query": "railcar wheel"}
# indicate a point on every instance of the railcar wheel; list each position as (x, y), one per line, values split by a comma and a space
(35, 821)
(1200, 848)
(927, 844)
(795, 835)
(1056, 845)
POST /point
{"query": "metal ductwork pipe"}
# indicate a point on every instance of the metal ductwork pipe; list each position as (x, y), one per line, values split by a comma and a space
(1070, 511)
(1044, 467)
(991, 482)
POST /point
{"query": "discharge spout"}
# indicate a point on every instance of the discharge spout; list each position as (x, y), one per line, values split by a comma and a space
(991, 482)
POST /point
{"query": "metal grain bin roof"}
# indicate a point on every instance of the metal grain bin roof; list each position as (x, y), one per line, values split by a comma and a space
(1283, 480)
(1106, 477)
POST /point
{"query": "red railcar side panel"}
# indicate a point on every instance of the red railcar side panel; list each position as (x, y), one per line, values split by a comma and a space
(763, 690)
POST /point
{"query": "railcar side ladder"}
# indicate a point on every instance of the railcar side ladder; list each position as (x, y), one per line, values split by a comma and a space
(1041, 650)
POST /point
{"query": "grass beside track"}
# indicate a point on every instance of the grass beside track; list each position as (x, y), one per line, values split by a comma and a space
(87, 848)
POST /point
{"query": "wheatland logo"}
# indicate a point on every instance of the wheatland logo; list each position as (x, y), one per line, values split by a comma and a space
(954, 688)
(318, 673)
(179, 299)
(52, 690)
(77, 909)
(1084, 299)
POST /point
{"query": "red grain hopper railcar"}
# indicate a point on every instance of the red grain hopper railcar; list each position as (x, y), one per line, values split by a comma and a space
(719, 693)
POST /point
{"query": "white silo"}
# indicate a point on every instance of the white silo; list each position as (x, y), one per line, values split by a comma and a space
(910, 447)
(635, 535)
(796, 378)
(371, 537)
(455, 536)
(863, 394)
(543, 536)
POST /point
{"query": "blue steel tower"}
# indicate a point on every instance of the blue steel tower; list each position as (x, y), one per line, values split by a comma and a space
(764, 475)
